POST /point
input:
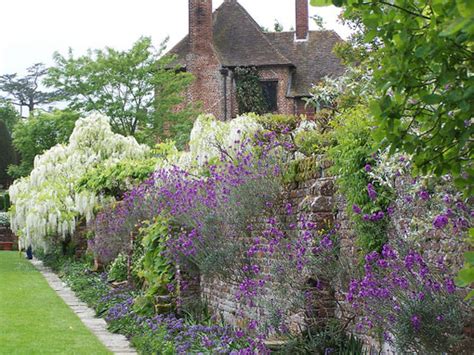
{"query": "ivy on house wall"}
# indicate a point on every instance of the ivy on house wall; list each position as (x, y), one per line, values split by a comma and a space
(250, 96)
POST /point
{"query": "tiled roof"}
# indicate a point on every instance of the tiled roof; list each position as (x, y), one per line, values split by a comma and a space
(239, 41)
(314, 59)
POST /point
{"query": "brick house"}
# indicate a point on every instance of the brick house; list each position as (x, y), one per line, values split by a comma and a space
(288, 63)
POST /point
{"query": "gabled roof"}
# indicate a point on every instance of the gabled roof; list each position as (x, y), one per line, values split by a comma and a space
(240, 41)
(314, 59)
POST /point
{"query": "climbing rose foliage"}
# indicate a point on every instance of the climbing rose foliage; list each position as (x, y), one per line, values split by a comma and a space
(46, 204)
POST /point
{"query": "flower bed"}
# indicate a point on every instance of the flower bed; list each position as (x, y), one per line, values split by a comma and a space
(148, 332)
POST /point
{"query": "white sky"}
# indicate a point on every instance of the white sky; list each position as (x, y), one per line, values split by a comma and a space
(31, 30)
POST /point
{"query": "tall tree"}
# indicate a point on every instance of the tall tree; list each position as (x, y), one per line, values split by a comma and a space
(8, 115)
(26, 91)
(138, 89)
(7, 154)
(423, 78)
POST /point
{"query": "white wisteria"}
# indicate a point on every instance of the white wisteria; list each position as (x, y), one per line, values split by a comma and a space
(45, 204)
(209, 137)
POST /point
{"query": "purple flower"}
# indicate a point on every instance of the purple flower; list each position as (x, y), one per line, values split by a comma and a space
(424, 195)
(371, 192)
(449, 213)
(416, 321)
(440, 221)
(326, 242)
(447, 199)
(379, 215)
(411, 259)
(368, 167)
(356, 209)
(388, 252)
(252, 324)
(382, 263)
(207, 343)
(373, 256)
(449, 285)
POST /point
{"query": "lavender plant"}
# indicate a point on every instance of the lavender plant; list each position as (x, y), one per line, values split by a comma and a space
(168, 334)
(413, 304)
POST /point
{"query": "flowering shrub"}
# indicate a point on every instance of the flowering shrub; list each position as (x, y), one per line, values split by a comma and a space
(215, 148)
(422, 207)
(413, 304)
(167, 334)
(204, 208)
(206, 214)
(45, 204)
(353, 158)
(4, 219)
(345, 91)
(210, 138)
(292, 265)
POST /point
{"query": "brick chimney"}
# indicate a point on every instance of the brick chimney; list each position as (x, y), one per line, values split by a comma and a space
(200, 25)
(302, 20)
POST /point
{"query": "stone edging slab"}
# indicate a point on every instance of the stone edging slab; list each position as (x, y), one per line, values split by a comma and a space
(116, 343)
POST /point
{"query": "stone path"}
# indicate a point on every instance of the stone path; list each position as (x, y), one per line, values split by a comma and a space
(116, 343)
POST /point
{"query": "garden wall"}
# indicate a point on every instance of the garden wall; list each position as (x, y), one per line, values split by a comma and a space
(8, 240)
(311, 190)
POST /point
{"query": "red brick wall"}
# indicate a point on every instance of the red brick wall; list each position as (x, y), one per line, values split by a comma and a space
(303, 109)
(200, 25)
(302, 18)
(314, 193)
(281, 74)
(208, 85)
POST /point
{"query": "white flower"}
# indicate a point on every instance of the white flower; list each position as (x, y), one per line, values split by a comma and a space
(46, 203)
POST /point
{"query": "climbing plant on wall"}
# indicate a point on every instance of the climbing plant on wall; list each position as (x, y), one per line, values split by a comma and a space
(249, 91)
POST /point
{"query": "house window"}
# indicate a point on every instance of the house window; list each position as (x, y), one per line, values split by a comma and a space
(270, 90)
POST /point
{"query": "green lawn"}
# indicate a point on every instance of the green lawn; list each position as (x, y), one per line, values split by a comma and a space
(33, 318)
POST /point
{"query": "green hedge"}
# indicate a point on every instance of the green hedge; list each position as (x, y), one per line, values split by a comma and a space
(4, 201)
